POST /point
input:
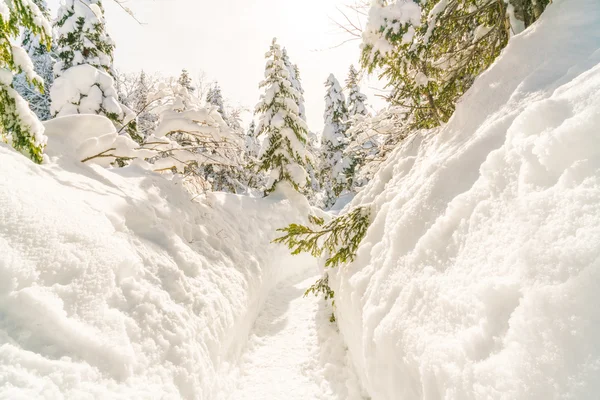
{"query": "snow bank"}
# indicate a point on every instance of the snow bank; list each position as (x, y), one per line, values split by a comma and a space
(479, 277)
(116, 284)
(91, 139)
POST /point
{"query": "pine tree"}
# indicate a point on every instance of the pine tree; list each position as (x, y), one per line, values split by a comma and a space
(284, 154)
(296, 83)
(84, 78)
(82, 37)
(252, 147)
(185, 81)
(19, 126)
(214, 98)
(356, 100)
(432, 51)
(357, 111)
(141, 104)
(43, 62)
(333, 142)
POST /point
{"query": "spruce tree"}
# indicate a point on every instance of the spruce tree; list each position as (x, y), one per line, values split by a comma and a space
(356, 99)
(284, 155)
(214, 97)
(357, 111)
(85, 55)
(251, 142)
(432, 51)
(333, 142)
(296, 83)
(43, 62)
(141, 104)
(185, 81)
(82, 37)
(19, 126)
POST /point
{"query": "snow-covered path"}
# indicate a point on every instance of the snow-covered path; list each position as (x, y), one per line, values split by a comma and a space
(294, 352)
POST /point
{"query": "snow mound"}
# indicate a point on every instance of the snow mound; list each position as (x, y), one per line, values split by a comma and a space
(90, 138)
(116, 284)
(479, 277)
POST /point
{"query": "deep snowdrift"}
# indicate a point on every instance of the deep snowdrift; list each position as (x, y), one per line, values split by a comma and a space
(116, 284)
(479, 277)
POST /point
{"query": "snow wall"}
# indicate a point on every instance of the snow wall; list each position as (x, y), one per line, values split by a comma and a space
(480, 275)
(116, 284)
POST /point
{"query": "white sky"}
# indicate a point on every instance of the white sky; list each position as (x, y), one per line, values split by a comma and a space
(227, 39)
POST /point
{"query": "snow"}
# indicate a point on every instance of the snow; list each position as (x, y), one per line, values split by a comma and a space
(479, 275)
(82, 137)
(23, 62)
(390, 18)
(84, 89)
(294, 343)
(477, 279)
(118, 283)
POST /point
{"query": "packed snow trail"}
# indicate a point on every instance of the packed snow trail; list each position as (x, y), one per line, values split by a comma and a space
(293, 351)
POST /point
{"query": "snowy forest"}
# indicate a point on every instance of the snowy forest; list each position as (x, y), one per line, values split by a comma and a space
(161, 240)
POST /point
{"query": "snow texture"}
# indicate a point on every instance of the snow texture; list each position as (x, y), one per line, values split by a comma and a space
(294, 351)
(479, 276)
(84, 89)
(91, 139)
(116, 284)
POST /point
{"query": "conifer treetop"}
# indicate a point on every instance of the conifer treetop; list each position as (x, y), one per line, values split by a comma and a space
(284, 152)
(356, 99)
(82, 36)
(335, 115)
(294, 72)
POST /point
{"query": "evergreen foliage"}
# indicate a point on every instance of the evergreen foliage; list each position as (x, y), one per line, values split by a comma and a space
(339, 239)
(185, 81)
(333, 142)
(284, 155)
(294, 74)
(84, 76)
(356, 99)
(142, 105)
(430, 52)
(214, 97)
(43, 63)
(18, 125)
(82, 37)
(321, 286)
(251, 143)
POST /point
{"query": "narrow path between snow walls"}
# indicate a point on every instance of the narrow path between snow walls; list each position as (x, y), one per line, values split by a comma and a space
(114, 284)
(479, 276)
(294, 351)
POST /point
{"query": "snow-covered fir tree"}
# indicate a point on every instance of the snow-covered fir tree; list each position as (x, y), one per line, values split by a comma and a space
(252, 147)
(333, 142)
(284, 154)
(43, 63)
(294, 72)
(356, 99)
(84, 82)
(142, 105)
(232, 179)
(81, 36)
(431, 52)
(19, 126)
(214, 97)
(357, 111)
(185, 81)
